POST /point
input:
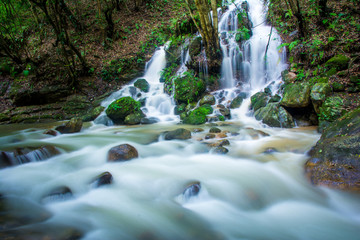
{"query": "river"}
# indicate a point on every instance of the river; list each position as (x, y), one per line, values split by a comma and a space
(177, 189)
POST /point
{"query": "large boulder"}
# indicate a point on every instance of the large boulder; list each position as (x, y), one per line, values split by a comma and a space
(318, 94)
(237, 101)
(142, 84)
(335, 160)
(118, 110)
(275, 115)
(339, 62)
(331, 109)
(179, 134)
(296, 95)
(259, 100)
(188, 88)
(134, 118)
(123, 152)
(72, 126)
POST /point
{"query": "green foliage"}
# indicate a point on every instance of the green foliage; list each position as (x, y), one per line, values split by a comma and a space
(118, 67)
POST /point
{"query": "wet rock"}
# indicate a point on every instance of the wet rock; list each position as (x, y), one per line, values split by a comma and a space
(259, 100)
(119, 109)
(150, 120)
(210, 136)
(72, 126)
(142, 84)
(270, 150)
(179, 134)
(339, 62)
(275, 115)
(62, 193)
(93, 114)
(134, 118)
(335, 160)
(50, 132)
(179, 109)
(214, 130)
(220, 143)
(275, 98)
(26, 155)
(103, 179)
(288, 77)
(224, 111)
(123, 152)
(237, 101)
(196, 130)
(296, 95)
(198, 115)
(192, 190)
(318, 94)
(220, 150)
(207, 99)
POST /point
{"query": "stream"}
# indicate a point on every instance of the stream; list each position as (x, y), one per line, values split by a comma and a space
(179, 189)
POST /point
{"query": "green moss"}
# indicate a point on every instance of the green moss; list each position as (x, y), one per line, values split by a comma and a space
(339, 62)
(119, 109)
(188, 88)
(332, 109)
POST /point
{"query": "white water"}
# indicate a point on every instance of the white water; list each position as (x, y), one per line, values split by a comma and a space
(245, 194)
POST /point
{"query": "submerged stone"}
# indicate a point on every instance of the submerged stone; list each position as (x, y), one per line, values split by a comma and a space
(103, 179)
(179, 134)
(123, 152)
(192, 190)
(62, 193)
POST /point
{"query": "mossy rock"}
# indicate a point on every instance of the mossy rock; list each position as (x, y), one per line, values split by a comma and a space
(4, 117)
(119, 109)
(331, 109)
(198, 116)
(275, 115)
(207, 99)
(134, 118)
(318, 94)
(335, 160)
(338, 87)
(339, 62)
(259, 100)
(188, 88)
(142, 84)
(237, 101)
(296, 95)
(179, 134)
(179, 109)
(288, 77)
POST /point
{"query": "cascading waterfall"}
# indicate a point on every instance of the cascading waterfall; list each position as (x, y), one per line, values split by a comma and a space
(176, 189)
(158, 105)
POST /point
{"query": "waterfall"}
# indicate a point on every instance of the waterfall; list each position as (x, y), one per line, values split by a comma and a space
(247, 62)
(158, 105)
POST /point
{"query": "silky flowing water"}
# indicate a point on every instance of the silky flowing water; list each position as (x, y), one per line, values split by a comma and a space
(256, 191)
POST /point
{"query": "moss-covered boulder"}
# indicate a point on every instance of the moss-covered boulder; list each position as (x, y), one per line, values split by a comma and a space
(142, 84)
(296, 95)
(335, 160)
(188, 88)
(119, 109)
(259, 100)
(288, 77)
(198, 116)
(237, 101)
(275, 115)
(318, 94)
(339, 62)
